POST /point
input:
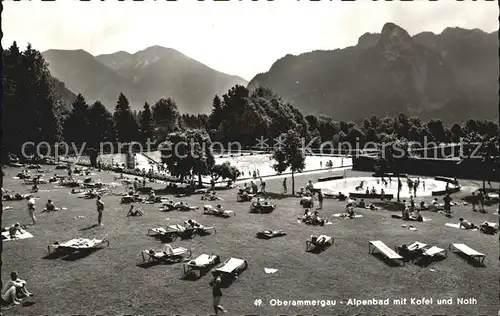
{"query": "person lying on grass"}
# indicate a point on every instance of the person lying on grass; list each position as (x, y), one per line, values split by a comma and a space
(135, 211)
(14, 290)
(466, 224)
(487, 228)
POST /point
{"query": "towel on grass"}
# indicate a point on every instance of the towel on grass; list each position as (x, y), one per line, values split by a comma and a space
(458, 226)
(269, 270)
(18, 236)
(343, 215)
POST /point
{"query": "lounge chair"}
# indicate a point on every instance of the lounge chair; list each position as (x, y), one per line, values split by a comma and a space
(230, 269)
(184, 207)
(210, 210)
(384, 249)
(204, 230)
(319, 242)
(469, 252)
(202, 263)
(268, 234)
(161, 256)
(172, 232)
(77, 244)
(166, 207)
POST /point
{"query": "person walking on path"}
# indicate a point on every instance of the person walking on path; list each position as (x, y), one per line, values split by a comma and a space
(217, 294)
(284, 186)
(100, 209)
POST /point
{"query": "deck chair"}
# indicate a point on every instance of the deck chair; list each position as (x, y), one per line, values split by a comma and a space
(268, 234)
(321, 242)
(383, 249)
(166, 207)
(205, 230)
(78, 244)
(469, 252)
(171, 231)
(202, 263)
(433, 251)
(230, 269)
(210, 210)
(161, 256)
(412, 251)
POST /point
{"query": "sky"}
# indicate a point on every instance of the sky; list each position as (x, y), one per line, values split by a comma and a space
(241, 38)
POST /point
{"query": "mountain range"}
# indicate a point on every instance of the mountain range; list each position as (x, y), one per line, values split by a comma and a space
(452, 76)
(145, 76)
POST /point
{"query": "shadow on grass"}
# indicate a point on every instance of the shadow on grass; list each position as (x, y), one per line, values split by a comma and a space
(424, 262)
(193, 276)
(317, 250)
(70, 255)
(150, 264)
(387, 261)
(27, 304)
(77, 255)
(469, 260)
(278, 196)
(90, 227)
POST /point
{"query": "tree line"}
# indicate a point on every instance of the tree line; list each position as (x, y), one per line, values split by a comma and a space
(33, 111)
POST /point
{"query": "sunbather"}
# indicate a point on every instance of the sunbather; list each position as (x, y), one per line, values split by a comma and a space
(50, 207)
(466, 224)
(487, 228)
(14, 229)
(321, 239)
(349, 210)
(14, 290)
(362, 203)
(306, 216)
(433, 207)
(135, 211)
(168, 250)
(416, 216)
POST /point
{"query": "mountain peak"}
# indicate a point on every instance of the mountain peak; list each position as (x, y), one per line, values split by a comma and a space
(394, 36)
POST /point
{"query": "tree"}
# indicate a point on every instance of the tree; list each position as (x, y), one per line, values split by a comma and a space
(30, 103)
(127, 129)
(146, 123)
(101, 125)
(188, 153)
(289, 155)
(76, 126)
(225, 171)
(166, 115)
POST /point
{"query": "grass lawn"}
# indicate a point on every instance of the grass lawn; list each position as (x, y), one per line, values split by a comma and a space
(111, 281)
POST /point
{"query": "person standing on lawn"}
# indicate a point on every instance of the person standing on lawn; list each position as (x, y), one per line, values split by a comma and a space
(100, 209)
(284, 186)
(320, 200)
